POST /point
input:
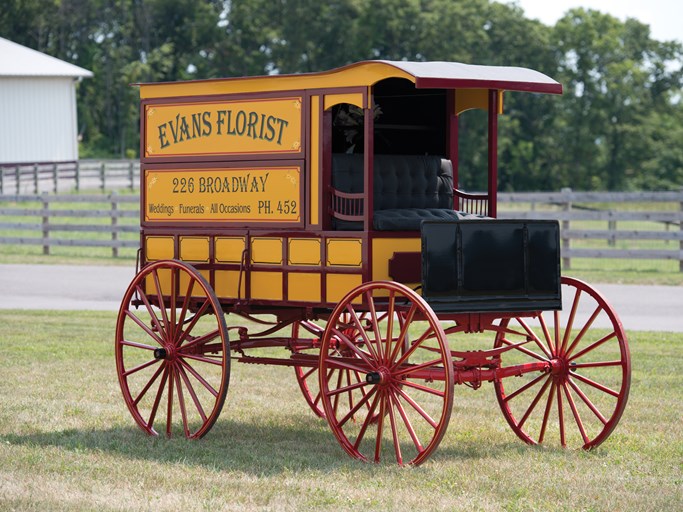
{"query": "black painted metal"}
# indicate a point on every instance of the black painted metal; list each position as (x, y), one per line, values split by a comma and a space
(491, 265)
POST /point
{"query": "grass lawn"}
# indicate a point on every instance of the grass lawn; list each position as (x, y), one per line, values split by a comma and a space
(67, 441)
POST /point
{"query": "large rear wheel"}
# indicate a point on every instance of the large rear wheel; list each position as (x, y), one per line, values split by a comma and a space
(172, 351)
(385, 396)
(580, 399)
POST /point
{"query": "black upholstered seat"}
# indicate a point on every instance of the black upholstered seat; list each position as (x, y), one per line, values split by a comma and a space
(407, 189)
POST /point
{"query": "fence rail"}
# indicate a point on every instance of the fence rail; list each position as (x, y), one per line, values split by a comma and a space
(583, 219)
(66, 176)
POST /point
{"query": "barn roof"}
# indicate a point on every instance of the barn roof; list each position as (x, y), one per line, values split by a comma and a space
(17, 60)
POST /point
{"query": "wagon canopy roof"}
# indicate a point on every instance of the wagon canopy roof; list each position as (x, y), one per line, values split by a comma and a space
(433, 75)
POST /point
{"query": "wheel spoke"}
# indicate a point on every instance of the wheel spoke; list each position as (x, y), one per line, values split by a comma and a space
(352, 346)
(147, 330)
(419, 409)
(140, 367)
(348, 388)
(149, 384)
(570, 322)
(596, 385)
(408, 424)
(338, 364)
(183, 311)
(390, 326)
(162, 307)
(593, 346)
(136, 345)
(413, 347)
(150, 311)
(534, 403)
(575, 412)
(426, 389)
(546, 414)
(560, 416)
(402, 336)
(368, 419)
(197, 376)
(192, 393)
(394, 428)
(360, 404)
(584, 330)
(380, 424)
(157, 399)
(525, 387)
(169, 409)
(548, 340)
(524, 350)
(194, 321)
(417, 367)
(361, 331)
(531, 334)
(201, 340)
(203, 359)
(181, 401)
(587, 401)
(375, 325)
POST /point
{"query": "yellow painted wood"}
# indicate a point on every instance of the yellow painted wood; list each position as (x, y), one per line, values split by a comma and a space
(159, 248)
(266, 285)
(304, 287)
(361, 74)
(164, 276)
(304, 251)
(314, 162)
(468, 99)
(229, 249)
(226, 284)
(266, 250)
(197, 290)
(383, 250)
(339, 285)
(194, 248)
(344, 252)
(352, 98)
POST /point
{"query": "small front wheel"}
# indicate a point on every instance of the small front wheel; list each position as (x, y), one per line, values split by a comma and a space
(172, 351)
(387, 394)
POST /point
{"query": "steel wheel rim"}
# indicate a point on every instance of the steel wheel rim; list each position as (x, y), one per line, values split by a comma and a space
(374, 402)
(581, 398)
(173, 364)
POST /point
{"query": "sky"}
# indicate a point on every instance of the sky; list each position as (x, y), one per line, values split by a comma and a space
(663, 16)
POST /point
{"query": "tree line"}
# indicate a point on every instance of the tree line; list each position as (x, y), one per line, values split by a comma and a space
(618, 126)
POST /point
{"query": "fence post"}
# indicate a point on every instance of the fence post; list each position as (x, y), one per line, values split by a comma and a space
(35, 179)
(2, 180)
(17, 176)
(114, 223)
(78, 175)
(55, 177)
(46, 224)
(131, 175)
(680, 227)
(102, 174)
(566, 262)
(612, 227)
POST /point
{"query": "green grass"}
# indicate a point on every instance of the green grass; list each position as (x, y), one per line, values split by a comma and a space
(67, 441)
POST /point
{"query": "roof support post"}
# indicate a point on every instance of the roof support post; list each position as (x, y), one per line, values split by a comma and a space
(493, 153)
(368, 158)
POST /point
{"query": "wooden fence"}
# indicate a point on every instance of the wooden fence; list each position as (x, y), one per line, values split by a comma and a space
(58, 177)
(86, 216)
(583, 218)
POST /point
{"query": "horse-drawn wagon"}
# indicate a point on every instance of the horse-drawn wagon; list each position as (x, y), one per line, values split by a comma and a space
(325, 209)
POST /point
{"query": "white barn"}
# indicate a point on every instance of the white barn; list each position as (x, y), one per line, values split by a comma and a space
(38, 120)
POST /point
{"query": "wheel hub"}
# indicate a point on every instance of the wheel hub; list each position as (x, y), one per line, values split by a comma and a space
(167, 352)
(380, 377)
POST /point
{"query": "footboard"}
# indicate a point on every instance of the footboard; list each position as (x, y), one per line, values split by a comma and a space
(491, 265)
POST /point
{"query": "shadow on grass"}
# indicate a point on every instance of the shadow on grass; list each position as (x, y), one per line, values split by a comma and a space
(253, 448)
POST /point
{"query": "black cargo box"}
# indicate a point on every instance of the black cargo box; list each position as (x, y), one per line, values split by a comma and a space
(491, 265)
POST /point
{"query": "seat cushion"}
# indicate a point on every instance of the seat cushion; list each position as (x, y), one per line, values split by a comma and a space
(409, 219)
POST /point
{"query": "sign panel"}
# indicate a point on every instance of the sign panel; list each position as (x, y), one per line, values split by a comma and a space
(249, 127)
(245, 195)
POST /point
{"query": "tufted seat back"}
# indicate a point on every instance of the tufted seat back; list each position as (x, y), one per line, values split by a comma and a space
(400, 181)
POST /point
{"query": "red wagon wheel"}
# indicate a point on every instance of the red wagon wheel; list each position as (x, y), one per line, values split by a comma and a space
(385, 396)
(579, 401)
(172, 351)
(308, 377)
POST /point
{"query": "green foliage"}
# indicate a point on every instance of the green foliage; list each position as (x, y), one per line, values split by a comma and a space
(618, 125)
